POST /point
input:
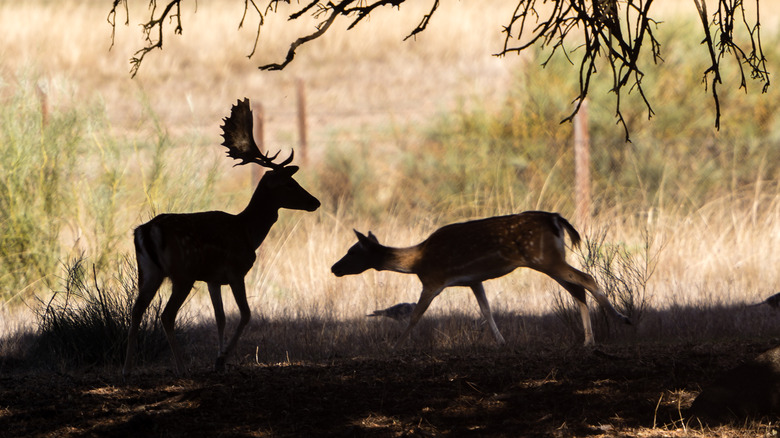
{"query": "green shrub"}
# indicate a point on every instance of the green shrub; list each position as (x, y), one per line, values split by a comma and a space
(517, 155)
(36, 188)
(73, 186)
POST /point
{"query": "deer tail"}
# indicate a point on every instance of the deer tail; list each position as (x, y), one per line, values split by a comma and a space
(145, 247)
(561, 222)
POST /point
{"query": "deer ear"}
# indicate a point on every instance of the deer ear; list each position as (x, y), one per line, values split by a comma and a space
(371, 239)
(362, 238)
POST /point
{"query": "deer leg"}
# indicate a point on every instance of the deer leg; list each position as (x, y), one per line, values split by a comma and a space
(215, 293)
(239, 293)
(179, 292)
(147, 288)
(578, 292)
(479, 292)
(575, 276)
(426, 297)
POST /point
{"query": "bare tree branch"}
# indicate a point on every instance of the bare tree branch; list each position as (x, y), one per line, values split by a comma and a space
(147, 28)
(112, 19)
(259, 25)
(614, 34)
(723, 23)
(612, 31)
(424, 22)
(714, 68)
(322, 28)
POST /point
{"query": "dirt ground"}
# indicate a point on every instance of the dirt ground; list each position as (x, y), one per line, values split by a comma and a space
(613, 390)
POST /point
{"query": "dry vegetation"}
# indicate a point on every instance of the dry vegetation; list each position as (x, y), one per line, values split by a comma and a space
(310, 352)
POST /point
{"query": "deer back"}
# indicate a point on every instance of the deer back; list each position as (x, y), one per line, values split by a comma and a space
(205, 246)
(526, 239)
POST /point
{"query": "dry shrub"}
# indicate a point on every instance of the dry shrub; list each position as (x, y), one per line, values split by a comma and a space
(86, 323)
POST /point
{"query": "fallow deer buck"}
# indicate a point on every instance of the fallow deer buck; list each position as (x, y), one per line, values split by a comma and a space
(468, 253)
(213, 246)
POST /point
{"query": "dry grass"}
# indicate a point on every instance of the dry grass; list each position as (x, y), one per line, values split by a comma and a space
(359, 81)
(368, 89)
(720, 256)
(352, 78)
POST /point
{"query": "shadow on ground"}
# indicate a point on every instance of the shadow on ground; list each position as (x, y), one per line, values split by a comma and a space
(451, 380)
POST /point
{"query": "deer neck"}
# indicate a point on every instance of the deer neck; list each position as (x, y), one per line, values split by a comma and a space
(400, 259)
(259, 216)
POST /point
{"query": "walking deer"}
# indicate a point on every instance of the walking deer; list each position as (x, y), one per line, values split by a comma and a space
(213, 246)
(468, 253)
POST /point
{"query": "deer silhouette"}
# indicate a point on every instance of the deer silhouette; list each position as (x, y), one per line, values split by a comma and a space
(213, 246)
(468, 253)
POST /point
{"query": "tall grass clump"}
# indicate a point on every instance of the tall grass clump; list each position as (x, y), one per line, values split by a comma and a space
(37, 165)
(85, 322)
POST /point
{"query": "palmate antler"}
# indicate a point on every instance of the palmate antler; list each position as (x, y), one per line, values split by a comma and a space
(237, 132)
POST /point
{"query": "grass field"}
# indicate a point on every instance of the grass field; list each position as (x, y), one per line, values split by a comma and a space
(404, 137)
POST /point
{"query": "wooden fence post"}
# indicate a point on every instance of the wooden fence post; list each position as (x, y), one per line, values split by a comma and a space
(582, 166)
(302, 134)
(43, 97)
